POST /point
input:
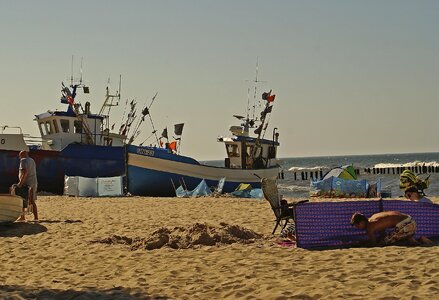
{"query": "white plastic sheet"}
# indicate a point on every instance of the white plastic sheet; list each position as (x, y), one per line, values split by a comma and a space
(93, 187)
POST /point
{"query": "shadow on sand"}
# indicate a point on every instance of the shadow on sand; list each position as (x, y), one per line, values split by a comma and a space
(20, 229)
(22, 292)
(60, 221)
(435, 243)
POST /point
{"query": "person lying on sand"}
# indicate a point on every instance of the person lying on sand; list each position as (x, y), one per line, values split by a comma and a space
(404, 228)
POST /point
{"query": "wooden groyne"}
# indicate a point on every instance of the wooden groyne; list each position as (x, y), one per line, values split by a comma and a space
(318, 174)
(399, 170)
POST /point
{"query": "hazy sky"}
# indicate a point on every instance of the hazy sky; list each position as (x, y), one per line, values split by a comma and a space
(351, 77)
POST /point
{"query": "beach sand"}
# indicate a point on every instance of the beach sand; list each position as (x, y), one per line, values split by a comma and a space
(86, 248)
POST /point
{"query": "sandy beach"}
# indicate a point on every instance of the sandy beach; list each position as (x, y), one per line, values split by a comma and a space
(86, 248)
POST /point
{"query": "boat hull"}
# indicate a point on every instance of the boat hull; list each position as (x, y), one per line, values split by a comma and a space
(10, 208)
(150, 173)
(53, 166)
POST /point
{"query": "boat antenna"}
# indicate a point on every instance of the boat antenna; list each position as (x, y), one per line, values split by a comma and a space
(120, 88)
(255, 81)
(108, 102)
(80, 71)
(248, 103)
(71, 73)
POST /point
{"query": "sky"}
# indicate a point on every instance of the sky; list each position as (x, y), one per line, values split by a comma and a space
(350, 77)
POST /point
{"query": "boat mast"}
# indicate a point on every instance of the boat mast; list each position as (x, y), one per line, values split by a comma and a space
(108, 103)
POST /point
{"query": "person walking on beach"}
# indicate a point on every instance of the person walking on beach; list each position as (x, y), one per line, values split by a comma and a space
(27, 176)
(404, 228)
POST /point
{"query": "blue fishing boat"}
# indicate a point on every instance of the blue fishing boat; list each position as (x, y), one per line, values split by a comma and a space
(74, 142)
(156, 171)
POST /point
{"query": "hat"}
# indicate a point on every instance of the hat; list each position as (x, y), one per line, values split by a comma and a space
(411, 189)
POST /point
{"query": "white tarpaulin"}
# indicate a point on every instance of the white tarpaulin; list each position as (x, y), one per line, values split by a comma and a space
(93, 187)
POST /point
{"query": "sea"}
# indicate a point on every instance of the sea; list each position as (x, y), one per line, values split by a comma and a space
(289, 187)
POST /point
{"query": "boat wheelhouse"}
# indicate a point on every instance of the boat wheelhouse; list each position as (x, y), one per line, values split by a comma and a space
(244, 152)
(59, 129)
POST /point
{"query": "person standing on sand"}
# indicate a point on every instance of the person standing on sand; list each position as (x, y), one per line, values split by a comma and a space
(404, 228)
(27, 175)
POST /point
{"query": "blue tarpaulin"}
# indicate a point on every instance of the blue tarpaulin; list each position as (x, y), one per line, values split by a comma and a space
(202, 189)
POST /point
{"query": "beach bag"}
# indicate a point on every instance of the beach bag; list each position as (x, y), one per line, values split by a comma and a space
(22, 192)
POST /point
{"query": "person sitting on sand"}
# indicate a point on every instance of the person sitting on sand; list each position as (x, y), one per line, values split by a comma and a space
(404, 228)
(413, 194)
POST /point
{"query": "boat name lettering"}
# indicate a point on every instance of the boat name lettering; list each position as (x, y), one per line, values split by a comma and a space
(3, 141)
(145, 152)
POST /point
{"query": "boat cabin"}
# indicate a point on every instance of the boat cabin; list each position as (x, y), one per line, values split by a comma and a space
(59, 129)
(244, 152)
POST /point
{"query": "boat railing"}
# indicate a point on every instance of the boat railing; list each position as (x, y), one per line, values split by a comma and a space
(10, 127)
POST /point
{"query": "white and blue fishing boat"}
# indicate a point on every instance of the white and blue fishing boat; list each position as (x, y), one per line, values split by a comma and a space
(156, 171)
(73, 142)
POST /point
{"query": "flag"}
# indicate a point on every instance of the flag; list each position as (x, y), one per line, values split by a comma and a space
(178, 128)
(145, 111)
(266, 95)
(173, 145)
(70, 100)
(165, 133)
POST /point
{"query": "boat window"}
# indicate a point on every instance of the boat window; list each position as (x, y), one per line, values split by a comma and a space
(78, 126)
(65, 125)
(249, 150)
(42, 128)
(232, 150)
(55, 126)
(272, 152)
(48, 128)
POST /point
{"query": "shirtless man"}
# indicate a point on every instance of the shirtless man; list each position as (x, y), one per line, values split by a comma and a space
(404, 227)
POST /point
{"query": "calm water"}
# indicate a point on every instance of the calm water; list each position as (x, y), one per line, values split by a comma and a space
(300, 188)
